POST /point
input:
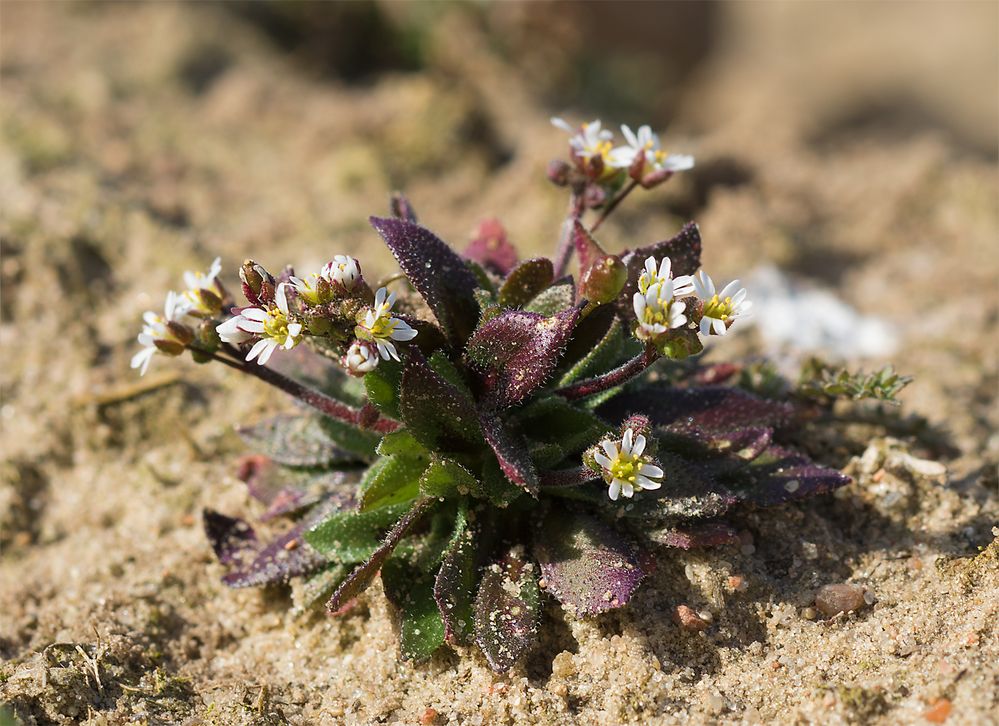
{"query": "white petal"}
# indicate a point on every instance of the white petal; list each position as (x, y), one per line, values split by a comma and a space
(719, 327)
(646, 483)
(598, 457)
(257, 314)
(704, 285)
(678, 162)
(294, 330)
(380, 296)
(729, 290)
(739, 297)
(639, 446)
(251, 326)
(651, 470)
(638, 302)
(265, 356)
(630, 136)
(609, 447)
(562, 124)
(281, 298)
(683, 285)
(142, 359)
(402, 331)
(627, 489)
(257, 349)
(705, 326)
(626, 441)
(615, 490)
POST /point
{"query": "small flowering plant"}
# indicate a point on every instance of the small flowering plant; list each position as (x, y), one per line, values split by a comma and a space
(489, 432)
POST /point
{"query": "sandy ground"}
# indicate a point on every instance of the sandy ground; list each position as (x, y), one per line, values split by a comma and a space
(142, 140)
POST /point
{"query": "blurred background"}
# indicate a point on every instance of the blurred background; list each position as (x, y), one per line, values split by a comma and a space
(846, 170)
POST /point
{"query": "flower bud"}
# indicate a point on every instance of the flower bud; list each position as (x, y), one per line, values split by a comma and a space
(679, 344)
(361, 358)
(604, 280)
(558, 172)
(258, 283)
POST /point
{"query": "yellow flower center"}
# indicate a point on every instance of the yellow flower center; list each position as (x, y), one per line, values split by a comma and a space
(625, 467)
(384, 326)
(276, 325)
(717, 308)
(657, 315)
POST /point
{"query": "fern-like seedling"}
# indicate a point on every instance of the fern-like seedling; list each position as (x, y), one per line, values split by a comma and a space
(485, 435)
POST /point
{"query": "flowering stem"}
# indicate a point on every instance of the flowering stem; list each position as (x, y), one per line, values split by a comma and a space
(612, 378)
(363, 417)
(564, 478)
(612, 205)
(565, 247)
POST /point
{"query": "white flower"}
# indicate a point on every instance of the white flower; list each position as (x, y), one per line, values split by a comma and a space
(722, 307)
(167, 333)
(657, 274)
(270, 324)
(382, 327)
(589, 140)
(658, 310)
(343, 270)
(360, 358)
(647, 143)
(204, 292)
(624, 467)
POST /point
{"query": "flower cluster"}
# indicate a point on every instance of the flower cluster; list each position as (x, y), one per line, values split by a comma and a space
(334, 305)
(596, 158)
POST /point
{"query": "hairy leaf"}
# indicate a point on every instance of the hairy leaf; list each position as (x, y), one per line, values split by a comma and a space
(558, 297)
(454, 586)
(358, 580)
(396, 479)
(516, 352)
(555, 420)
(436, 271)
(588, 566)
(232, 539)
(511, 452)
(491, 248)
(317, 371)
(683, 250)
(402, 442)
(296, 440)
(350, 536)
(596, 358)
(496, 487)
(783, 476)
(440, 416)
(445, 478)
(286, 491)
(507, 611)
(526, 281)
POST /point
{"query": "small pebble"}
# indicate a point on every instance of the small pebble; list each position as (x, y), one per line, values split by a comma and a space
(835, 599)
(939, 711)
(809, 613)
(687, 619)
(563, 665)
(429, 717)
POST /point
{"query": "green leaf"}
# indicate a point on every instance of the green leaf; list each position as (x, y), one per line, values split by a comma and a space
(396, 480)
(602, 358)
(507, 611)
(555, 420)
(382, 387)
(526, 281)
(350, 438)
(349, 537)
(545, 456)
(447, 370)
(401, 442)
(358, 580)
(411, 592)
(446, 477)
(555, 299)
(496, 487)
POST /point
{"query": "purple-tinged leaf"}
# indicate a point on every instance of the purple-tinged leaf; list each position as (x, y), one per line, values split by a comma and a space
(232, 539)
(586, 564)
(235, 544)
(711, 408)
(313, 369)
(511, 452)
(516, 352)
(507, 611)
(683, 250)
(526, 281)
(359, 580)
(438, 414)
(436, 271)
(491, 248)
(791, 476)
(560, 296)
(295, 440)
(709, 534)
(740, 445)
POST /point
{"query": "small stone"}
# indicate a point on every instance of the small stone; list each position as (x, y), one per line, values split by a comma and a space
(563, 665)
(835, 599)
(738, 583)
(688, 619)
(429, 717)
(809, 613)
(939, 711)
